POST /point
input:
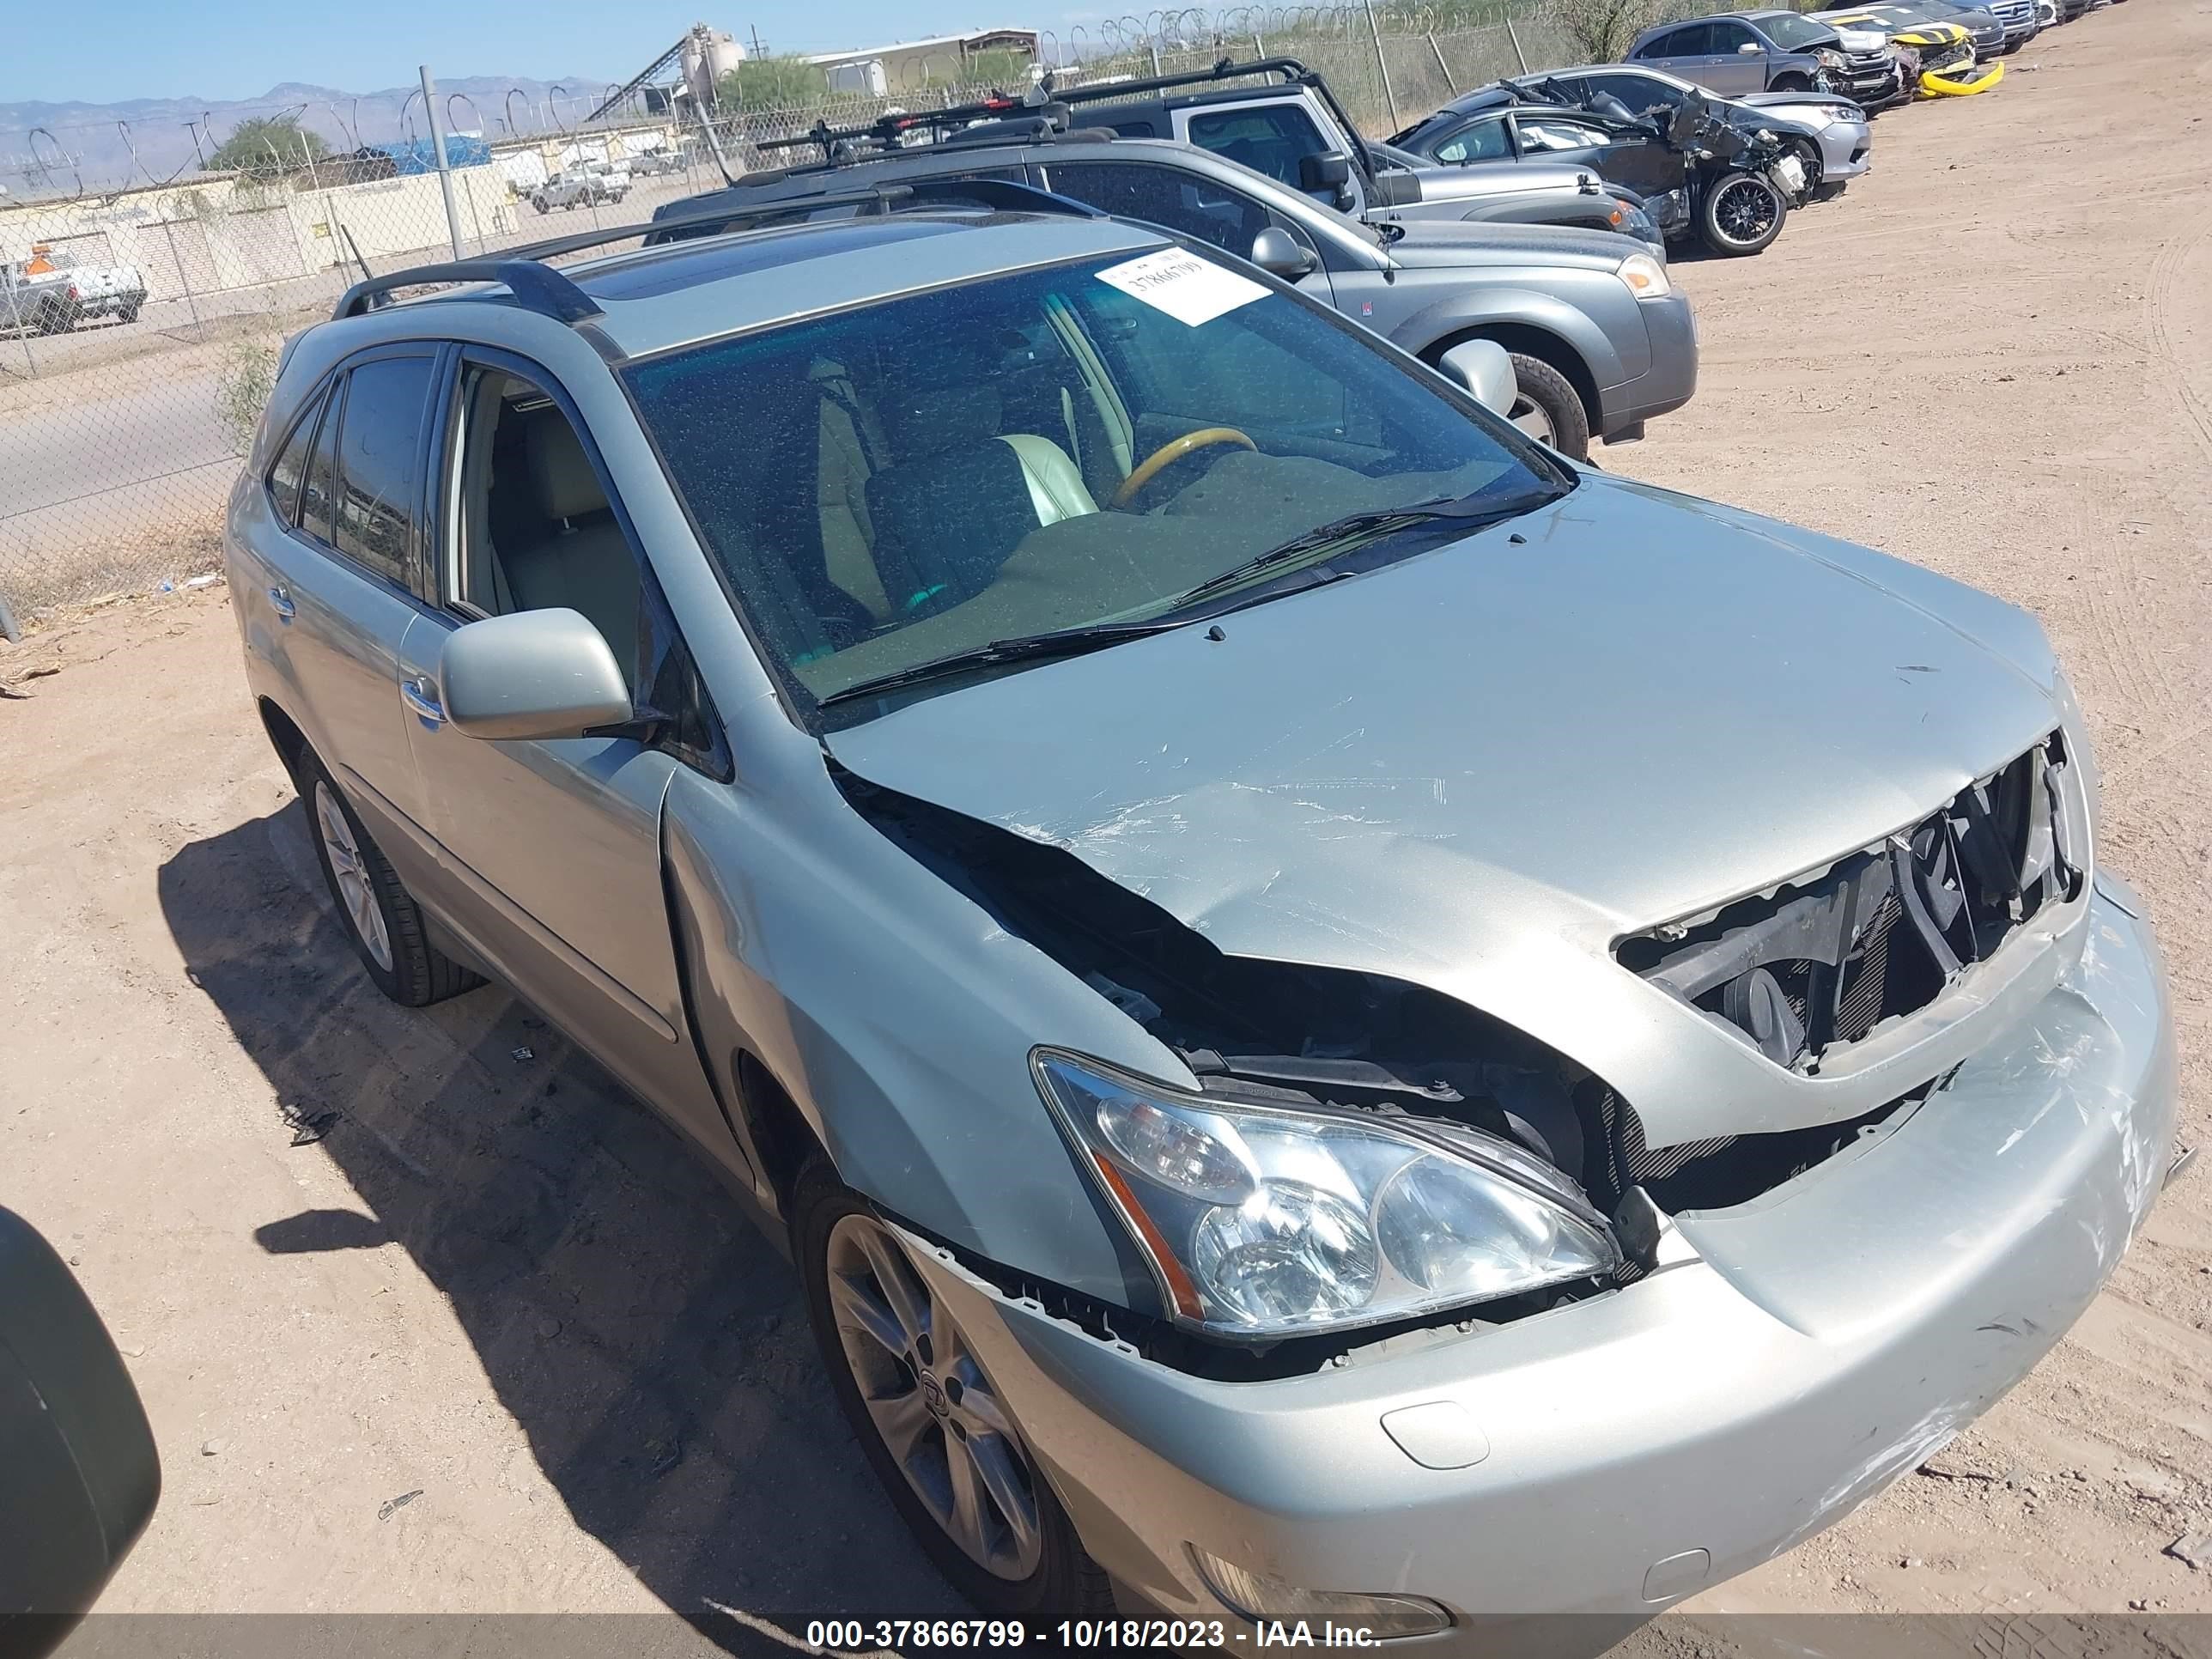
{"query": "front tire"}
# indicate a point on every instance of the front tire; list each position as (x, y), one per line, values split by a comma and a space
(1546, 406)
(934, 1428)
(1740, 215)
(1791, 83)
(379, 913)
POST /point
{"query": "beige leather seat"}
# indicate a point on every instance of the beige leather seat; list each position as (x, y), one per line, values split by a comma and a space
(575, 554)
(964, 495)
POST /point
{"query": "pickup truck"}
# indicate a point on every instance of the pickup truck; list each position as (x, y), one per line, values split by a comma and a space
(1287, 124)
(116, 291)
(578, 187)
(50, 292)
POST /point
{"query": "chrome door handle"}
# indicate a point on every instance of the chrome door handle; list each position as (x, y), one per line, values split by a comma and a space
(280, 599)
(421, 696)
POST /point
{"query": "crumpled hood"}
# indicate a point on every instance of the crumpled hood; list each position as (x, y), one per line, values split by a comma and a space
(1648, 706)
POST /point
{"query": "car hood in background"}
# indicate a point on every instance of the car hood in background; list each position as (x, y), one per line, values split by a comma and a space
(1491, 179)
(1624, 709)
(1455, 242)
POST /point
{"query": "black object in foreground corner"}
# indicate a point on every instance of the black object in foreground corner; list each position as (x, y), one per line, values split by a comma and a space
(78, 1472)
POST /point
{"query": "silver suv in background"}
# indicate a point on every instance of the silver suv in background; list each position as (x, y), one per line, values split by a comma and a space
(1738, 54)
(1314, 1057)
(1601, 339)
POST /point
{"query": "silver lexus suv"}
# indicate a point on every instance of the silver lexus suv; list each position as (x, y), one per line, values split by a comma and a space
(1344, 1020)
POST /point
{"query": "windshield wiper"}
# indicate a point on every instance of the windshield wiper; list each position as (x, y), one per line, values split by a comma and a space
(1061, 642)
(1464, 514)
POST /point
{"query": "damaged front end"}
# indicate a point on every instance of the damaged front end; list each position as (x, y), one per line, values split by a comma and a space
(1804, 972)
(1365, 1154)
(1360, 1152)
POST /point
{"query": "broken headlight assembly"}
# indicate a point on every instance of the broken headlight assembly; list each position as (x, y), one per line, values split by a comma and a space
(1262, 1221)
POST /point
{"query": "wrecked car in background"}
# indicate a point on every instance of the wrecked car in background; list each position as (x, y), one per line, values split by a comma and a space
(1317, 1051)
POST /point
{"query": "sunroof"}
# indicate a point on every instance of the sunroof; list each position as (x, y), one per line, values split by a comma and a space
(687, 264)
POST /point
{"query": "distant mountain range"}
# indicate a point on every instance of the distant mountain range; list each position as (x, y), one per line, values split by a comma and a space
(86, 139)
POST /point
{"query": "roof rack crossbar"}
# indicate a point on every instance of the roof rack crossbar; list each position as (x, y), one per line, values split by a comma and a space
(1223, 69)
(536, 288)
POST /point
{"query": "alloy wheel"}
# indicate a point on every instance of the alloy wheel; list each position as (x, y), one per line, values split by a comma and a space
(1528, 414)
(350, 872)
(1745, 210)
(942, 1423)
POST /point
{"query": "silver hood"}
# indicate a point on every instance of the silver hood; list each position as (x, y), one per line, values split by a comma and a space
(1457, 242)
(1486, 180)
(1477, 768)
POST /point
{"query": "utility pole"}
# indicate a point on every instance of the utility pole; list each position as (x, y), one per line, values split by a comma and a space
(445, 167)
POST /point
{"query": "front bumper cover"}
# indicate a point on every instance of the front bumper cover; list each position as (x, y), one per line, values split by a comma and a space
(1670, 326)
(1786, 1361)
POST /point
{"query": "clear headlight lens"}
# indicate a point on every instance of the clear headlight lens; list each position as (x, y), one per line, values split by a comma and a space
(1844, 112)
(1261, 1221)
(1645, 276)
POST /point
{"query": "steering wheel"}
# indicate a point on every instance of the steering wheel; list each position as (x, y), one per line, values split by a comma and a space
(1171, 451)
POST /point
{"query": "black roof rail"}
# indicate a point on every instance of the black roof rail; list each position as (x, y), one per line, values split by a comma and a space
(1223, 68)
(888, 129)
(535, 287)
(551, 293)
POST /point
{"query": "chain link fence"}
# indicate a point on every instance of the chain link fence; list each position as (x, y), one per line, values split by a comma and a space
(139, 327)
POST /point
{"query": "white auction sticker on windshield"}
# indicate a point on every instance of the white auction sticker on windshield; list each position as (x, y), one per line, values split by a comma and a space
(1189, 289)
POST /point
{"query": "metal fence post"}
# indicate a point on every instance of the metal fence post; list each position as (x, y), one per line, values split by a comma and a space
(1519, 55)
(191, 305)
(1375, 29)
(445, 167)
(1443, 68)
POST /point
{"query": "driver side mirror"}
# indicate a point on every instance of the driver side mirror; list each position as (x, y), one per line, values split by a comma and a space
(533, 674)
(1330, 172)
(1749, 49)
(1279, 253)
(1483, 369)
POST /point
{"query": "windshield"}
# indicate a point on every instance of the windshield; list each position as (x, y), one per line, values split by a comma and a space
(1794, 34)
(1054, 449)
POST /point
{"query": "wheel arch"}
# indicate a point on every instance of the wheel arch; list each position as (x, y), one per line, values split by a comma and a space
(1533, 342)
(285, 737)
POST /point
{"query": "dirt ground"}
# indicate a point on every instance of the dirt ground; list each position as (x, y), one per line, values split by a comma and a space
(493, 1344)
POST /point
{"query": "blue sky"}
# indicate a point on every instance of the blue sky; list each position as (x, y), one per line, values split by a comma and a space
(56, 52)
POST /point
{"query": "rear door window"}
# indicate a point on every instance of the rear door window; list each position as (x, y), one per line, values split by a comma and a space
(1269, 138)
(380, 464)
(1695, 41)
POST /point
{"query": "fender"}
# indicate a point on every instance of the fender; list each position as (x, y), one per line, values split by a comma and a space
(1529, 307)
(845, 968)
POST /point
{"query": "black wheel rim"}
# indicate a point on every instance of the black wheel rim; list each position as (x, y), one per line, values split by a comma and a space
(1744, 211)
